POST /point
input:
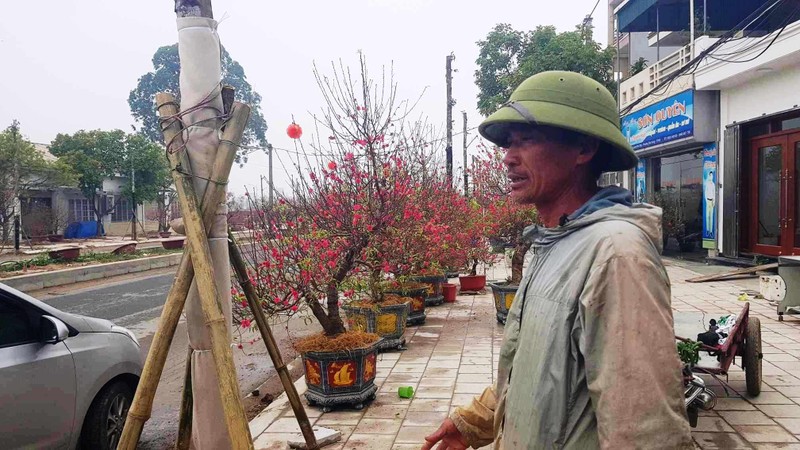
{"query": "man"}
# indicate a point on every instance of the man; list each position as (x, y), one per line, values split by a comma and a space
(588, 359)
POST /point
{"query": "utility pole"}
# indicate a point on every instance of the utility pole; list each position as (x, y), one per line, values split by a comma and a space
(466, 176)
(450, 103)
(271, 184)
(133, 201)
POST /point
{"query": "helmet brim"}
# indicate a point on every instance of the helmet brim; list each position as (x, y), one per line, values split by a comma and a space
(616, 152)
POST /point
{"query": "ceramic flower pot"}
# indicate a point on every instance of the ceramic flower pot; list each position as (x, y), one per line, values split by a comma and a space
(173, 244)
(449, 292)
(342, 378)
(472, 283)
(125, 249)
(388, 322)
(434, 284)
(504, 294)
(65, 254)
(416, 315)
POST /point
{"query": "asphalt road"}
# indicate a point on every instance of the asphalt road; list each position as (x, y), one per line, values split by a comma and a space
(135, 302)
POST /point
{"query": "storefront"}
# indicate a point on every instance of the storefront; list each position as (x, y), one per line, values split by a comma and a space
(675, 140)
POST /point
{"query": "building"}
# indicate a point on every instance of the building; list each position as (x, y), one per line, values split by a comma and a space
(50, 211)
(715, 121)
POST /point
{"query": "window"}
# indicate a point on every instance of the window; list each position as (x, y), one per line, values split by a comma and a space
(15, 324)
(624, 98)
(123, 212)
(80, 210)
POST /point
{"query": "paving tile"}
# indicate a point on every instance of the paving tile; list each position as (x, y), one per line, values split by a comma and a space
(434, 392)
(340, 418)
(384, 398)
(792, 425)
(414, 435)
(408, 368)
(780, 357)
(284, 425)
(380, 411)
(790, 391)
(462, 399)
(378, 426)
(430, 404)
(769, 398)
(424, 418)
(369, 442)
(733, 404)
(272, 441)
(437, 382)
(712, 424)
(781, 380)
(720, 441)
(746, 418)
(438, 372)
(775, 446)
(475, 368)
(474, 378)
(774, 411)
(471, 388)
(764, 433)
(406, 446)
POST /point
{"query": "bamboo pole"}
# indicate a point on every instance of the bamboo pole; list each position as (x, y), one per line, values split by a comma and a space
(272, 346)
(142, 406)
(187, 401)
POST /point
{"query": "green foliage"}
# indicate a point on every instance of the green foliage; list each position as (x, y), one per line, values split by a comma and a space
(507, 57)
(45, 260)
(638, 66)
(23, 168)
(689, 352)
(165, 78)
(96, 155)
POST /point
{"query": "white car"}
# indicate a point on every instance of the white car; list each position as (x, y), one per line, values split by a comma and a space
(66, 381)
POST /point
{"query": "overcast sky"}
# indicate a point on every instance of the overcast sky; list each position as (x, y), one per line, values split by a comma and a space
(70, 65)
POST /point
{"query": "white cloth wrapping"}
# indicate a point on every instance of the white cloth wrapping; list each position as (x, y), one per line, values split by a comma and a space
(199, 50)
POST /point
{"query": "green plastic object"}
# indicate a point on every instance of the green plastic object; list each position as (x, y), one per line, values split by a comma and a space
(405, 391)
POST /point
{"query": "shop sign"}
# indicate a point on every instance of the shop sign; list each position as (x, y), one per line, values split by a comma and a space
(641, 189)
(668, 120)
(709, 195)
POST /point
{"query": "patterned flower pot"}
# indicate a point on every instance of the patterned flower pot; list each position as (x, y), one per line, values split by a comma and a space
(65, 254)
(434, 283)
(341, 378)
(472, 283)
(126, 249)
(504, 294)
(388, 322)
(173, 244)
(417, 314)
(449, 291)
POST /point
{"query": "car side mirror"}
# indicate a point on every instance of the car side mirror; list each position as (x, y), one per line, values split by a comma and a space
(53, 330)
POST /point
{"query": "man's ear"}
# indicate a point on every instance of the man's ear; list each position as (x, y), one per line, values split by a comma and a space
(588, 149)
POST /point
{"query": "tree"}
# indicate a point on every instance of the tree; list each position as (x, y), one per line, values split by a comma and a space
(638, 66)
(96, 155)
(23, 168)
(165, 78)
(507, 57)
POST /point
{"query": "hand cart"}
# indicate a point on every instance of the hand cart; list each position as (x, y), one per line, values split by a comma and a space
(744, 340)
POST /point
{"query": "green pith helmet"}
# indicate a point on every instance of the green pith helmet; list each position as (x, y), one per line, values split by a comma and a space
(565, 100)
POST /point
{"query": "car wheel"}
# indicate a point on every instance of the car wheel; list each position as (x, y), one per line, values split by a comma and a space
(102, 428)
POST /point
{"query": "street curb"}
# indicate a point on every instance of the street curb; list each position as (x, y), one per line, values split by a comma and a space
(37, 281)
(265, 418)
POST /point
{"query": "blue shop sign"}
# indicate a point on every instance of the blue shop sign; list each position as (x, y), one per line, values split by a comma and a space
(668, 120)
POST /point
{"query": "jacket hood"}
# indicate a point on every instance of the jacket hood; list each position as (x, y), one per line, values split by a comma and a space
(611, 203)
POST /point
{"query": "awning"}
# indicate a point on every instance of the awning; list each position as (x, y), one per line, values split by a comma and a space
(723, 15)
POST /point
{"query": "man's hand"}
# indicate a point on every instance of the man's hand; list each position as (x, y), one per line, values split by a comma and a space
(450, 437)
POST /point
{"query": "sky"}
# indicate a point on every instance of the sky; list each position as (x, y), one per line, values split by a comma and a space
(70, 65)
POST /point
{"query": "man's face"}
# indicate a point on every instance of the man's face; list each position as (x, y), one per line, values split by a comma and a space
(540, 167)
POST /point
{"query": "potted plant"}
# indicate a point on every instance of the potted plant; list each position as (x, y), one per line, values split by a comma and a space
(507, 221)
(307, 250)
(65, 254)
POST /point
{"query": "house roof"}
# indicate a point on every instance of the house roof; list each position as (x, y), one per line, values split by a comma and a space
(44, 150)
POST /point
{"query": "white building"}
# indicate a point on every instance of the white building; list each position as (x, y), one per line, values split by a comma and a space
(716, 122)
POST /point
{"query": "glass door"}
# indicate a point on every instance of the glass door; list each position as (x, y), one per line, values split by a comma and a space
(767, 212)
(775, 202)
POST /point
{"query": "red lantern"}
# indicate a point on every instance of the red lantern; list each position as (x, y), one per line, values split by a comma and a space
(294, 131)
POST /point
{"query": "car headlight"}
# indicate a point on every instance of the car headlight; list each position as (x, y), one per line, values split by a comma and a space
(127, 332)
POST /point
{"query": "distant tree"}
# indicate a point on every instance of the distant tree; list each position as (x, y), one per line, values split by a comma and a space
(165, 78)
(508, 56)
(638, 66)
(22, 169)
(96, 155)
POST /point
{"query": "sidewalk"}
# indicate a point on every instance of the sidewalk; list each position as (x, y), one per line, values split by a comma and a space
(453, 357)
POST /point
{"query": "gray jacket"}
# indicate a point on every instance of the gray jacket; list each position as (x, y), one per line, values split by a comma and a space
(588, 358)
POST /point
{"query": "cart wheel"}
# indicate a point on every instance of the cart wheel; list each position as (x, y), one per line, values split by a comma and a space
(752, 357)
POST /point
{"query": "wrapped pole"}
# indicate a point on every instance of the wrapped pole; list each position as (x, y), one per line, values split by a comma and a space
(185, 422)
(154, 364)
(240, 269)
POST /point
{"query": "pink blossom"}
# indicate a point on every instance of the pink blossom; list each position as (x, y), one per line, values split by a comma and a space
(245, 323)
